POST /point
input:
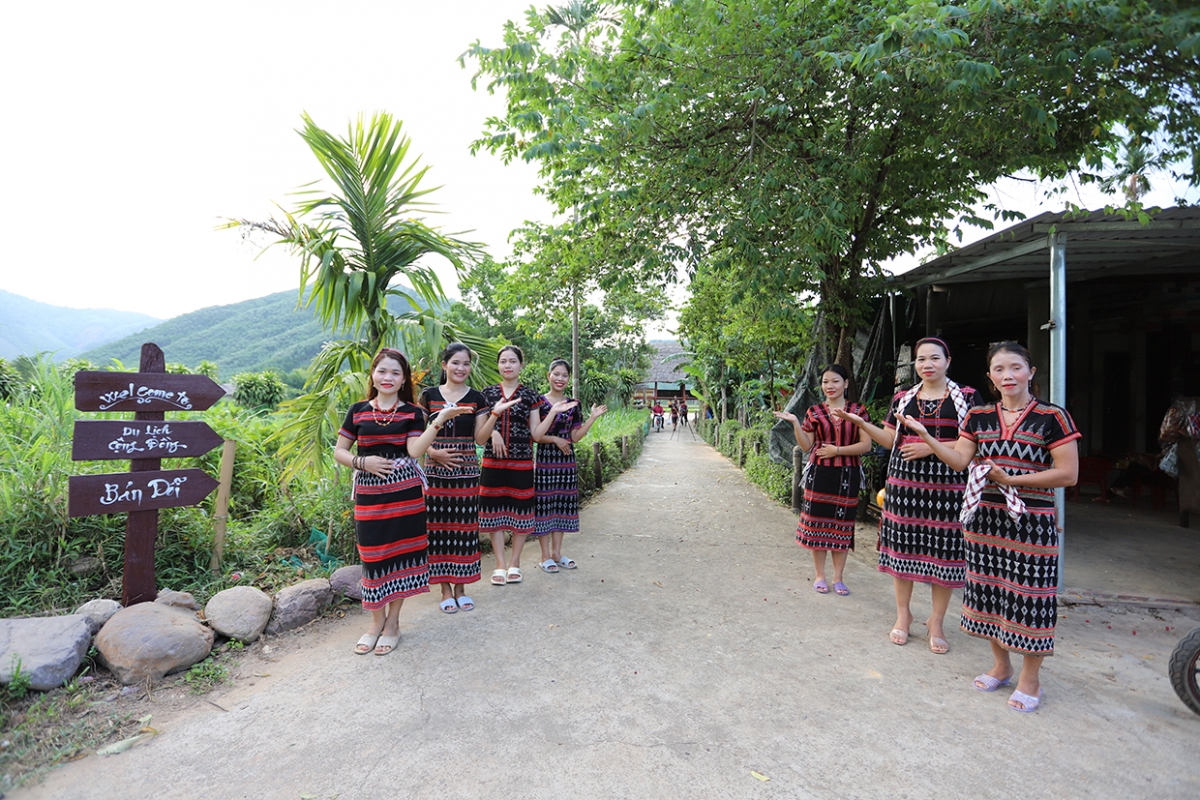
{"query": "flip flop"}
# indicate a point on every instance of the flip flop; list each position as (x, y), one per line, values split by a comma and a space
(498, 578)
(567, 563)
(1030, 703)
(990, 684)
(549, 565)
(366, 644)
(841, 589)
(448, 605)
(898, 636)
(389, 642)
(465, 603)
(514, 575)
(820, 587)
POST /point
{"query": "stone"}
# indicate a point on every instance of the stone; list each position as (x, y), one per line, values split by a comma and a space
(300, 604)
(48, 650)
(150, 640)
(181, 600)
(347, 581)
(241, 612)
(98, 612)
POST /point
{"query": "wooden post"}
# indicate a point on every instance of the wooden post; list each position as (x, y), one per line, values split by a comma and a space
(757, 447)
(221, 512)
(741, 453)
(797, 474)
(625, 449)
(598, 464)
(141, 527)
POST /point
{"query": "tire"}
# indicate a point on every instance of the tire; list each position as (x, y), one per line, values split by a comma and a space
(1184, 669)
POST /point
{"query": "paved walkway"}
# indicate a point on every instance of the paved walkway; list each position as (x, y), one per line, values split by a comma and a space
(686, 657)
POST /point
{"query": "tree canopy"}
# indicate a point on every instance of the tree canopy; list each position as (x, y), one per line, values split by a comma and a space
(796, 147)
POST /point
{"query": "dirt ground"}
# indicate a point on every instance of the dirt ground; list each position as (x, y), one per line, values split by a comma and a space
(687, 657)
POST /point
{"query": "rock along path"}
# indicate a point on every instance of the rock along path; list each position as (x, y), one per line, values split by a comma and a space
(687, 653)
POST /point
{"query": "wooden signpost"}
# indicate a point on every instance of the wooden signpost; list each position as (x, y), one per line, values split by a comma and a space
(146, 440)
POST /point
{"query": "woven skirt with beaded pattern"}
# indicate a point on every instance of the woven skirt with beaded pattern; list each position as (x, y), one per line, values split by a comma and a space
(556, 484)
(830, 506)
(452, 515)
(920, 536)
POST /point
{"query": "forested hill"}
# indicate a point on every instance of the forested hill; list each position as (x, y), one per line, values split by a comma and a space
(28, 327)
(266, 333)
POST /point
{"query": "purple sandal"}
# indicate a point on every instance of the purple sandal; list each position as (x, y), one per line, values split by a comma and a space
(820, 587)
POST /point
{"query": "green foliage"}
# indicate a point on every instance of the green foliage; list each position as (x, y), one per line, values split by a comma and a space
(258, 390)
(52, 564)
(10, 381)
(19, 685)
(609, 430)
(206, 675)
(612, 343)
(795, 147)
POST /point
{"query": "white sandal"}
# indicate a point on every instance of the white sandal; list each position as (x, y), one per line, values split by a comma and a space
(567, 563)
(549, 565)
(367, 641)
(514, 575)
(498, 578)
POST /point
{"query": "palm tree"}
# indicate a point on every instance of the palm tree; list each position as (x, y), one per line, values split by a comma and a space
(1130, 175)
(360, 246)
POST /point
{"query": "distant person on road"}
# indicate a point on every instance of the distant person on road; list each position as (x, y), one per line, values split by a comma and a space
(556, 479)
(683, 411)
(674, 416)
(920, 536)
(389, 504)
(1019, 450)
(656, 418)
(832, 476)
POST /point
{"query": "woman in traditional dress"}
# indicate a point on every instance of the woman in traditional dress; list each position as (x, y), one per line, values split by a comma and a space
(452, 467)
(1023, 449)
(506, 495)
(389, 504)
(920, 536)
(832, 478)
(556, 479)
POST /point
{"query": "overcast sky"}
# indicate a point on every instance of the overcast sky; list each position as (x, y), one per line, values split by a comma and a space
(131, 129)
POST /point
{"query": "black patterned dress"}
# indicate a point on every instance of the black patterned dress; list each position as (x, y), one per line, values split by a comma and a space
(389, 512)
(556, 479)
(920, 536)
(831, 485)
(452, 497)
(506, 495)
(1011, 595)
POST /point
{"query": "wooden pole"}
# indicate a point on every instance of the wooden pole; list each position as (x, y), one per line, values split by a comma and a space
(141, 527)
(625, 449)
(757, 448)
(741, 452)
(221, 513)
(797, 474)
(598, 463)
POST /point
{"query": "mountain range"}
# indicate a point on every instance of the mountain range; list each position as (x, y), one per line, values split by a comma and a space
(28, 327)
(265, 333)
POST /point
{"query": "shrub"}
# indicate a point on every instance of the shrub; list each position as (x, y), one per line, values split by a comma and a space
(258, 390)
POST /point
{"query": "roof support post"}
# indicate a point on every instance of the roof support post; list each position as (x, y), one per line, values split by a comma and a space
(1058, 367)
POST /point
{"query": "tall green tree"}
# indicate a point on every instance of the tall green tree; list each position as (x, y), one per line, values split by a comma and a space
(804, 144)
(361, 244)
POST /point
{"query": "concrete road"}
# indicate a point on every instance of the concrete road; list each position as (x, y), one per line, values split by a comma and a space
(687, 657)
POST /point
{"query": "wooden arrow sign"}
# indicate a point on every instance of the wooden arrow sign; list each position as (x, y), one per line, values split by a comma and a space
(102, 440)
(114, 493)
(144, 391)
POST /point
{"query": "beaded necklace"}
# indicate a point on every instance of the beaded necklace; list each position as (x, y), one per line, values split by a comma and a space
(391, 413)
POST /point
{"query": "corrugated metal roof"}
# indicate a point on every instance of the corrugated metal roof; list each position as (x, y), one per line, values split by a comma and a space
(1097, 245)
